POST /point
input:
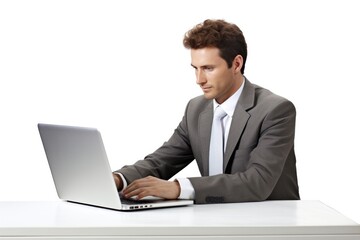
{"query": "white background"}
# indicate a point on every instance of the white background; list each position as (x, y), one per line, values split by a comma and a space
(120, 66)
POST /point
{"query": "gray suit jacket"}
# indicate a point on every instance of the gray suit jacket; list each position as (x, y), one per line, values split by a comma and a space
(259, 162)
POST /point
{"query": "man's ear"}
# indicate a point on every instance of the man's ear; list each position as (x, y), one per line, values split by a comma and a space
(238, 63)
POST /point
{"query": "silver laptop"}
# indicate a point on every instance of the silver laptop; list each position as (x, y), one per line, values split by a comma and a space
(81, 171)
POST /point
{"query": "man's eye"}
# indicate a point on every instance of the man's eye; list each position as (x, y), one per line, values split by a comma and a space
(208, 68)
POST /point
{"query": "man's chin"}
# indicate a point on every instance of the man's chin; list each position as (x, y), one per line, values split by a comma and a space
(208, 96)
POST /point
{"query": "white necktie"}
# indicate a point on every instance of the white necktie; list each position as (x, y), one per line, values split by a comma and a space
(216, 151)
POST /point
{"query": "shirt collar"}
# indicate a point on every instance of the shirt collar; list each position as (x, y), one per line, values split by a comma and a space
(229, 105)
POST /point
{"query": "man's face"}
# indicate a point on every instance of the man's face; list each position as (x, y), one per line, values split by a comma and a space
(213, 75)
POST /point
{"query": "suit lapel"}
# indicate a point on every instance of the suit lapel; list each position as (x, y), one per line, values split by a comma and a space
(205, 122)
(240, 119)
(238, 124)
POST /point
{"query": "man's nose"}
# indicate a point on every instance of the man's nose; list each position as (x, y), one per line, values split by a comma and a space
(200, 77)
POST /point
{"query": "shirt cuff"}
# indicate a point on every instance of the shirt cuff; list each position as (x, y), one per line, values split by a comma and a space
(123, 180)
(187, 190)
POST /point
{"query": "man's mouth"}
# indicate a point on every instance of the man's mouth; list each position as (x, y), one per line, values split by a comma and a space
(206, 88)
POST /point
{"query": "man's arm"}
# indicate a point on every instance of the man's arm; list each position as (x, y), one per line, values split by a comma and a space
(149, 177)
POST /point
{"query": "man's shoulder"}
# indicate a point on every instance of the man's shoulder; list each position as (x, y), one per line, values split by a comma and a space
(265, 96)
(198, 104)
(199, 100)
(256, 98)
(268, 101)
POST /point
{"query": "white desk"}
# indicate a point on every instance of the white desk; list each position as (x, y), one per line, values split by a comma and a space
(262, 220)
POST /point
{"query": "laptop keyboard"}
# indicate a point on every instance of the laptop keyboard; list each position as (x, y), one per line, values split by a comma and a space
(134, 201)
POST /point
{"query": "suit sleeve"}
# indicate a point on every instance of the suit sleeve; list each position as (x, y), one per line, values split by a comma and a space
(165, 162)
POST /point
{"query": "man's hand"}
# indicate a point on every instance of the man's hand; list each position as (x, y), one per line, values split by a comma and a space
(152, 186)
(118, 181)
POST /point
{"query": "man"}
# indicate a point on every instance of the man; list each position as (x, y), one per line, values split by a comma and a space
(256, 161)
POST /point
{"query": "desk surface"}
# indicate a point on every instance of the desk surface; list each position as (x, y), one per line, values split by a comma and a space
(260, 219)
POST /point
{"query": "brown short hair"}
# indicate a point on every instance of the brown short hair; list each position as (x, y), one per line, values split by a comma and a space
(227, 37)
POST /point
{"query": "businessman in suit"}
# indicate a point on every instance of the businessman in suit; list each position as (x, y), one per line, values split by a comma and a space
(257, 160)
